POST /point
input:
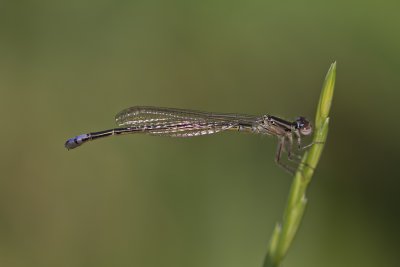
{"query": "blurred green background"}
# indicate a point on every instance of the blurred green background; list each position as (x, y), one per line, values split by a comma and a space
(66, 67)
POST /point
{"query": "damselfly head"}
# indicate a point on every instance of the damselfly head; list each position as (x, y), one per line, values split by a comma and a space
(303, 125)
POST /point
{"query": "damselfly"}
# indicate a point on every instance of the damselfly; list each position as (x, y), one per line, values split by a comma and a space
(187, 123)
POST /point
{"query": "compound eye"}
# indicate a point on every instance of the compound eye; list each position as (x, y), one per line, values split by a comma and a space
(303, 126)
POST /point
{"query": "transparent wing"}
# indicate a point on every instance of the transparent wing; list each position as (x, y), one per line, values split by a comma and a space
(180, 122)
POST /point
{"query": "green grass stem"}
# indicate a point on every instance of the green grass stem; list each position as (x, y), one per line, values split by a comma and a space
(284, 233)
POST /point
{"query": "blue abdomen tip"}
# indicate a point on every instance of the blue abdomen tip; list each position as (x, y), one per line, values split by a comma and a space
(76, 141)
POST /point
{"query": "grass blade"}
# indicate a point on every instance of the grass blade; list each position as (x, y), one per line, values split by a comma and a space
(283, 236)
